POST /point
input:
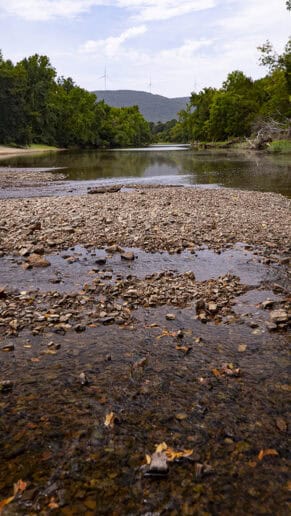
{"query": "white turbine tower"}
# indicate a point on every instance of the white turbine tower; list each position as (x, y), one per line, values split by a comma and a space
(150, 84)
(105, 77)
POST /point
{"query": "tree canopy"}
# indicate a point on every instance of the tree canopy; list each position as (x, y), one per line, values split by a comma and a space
(38, 107)
(238, 106)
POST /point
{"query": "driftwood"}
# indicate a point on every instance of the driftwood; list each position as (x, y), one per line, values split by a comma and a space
(104, 189)
(268, 130)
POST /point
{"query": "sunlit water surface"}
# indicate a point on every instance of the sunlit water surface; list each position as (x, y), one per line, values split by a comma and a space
(164, 165)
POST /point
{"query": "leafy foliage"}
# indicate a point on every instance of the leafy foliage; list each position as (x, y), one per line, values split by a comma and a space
(241, 104)
(36, 107)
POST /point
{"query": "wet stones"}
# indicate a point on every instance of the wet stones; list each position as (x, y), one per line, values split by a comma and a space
(7, 348)
(170, 317)
(158, 466)
(6, 386)
(279, 316)
(35, 260)
(129, 256)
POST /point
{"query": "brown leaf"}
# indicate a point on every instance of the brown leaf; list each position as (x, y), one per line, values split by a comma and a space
(216, 373)
(166, 333)
(185, 349)
(53, 504)
(110, 420)
(171, 453)
(264, 453)
(176, 455)
(4, 502)
(17, 488)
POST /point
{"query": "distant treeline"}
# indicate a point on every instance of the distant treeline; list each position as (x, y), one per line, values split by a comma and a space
(38, 107)
(241, 107)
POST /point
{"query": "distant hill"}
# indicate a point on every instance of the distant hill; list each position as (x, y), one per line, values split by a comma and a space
(155, 108)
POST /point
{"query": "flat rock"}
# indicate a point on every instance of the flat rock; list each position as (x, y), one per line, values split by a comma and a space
(279, 316)
(127, 256)
(35, 260)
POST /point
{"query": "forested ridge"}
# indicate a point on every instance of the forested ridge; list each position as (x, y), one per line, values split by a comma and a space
(38, 107)
(155, 108)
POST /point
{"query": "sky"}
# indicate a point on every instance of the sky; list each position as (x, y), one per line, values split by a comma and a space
(168, 47)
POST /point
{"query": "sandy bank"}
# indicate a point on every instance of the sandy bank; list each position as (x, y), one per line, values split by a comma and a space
(14, 151)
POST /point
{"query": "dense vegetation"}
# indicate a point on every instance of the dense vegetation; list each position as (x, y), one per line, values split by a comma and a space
(242, 106)
(38, 107)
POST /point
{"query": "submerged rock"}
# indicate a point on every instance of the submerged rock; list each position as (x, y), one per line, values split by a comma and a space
(279, 316)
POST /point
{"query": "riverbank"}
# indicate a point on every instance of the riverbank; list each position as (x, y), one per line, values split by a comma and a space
(35, 148)
(140, 318)
(274, 147)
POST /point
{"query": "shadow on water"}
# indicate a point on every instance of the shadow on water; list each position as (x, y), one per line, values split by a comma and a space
(250, 171)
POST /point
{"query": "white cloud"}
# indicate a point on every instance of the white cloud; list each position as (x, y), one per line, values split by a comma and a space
(146, 10)
(110, 47)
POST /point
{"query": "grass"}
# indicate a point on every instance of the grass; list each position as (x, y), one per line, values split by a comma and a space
(280, 147)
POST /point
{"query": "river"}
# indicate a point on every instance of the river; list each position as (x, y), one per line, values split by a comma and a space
(159, 164)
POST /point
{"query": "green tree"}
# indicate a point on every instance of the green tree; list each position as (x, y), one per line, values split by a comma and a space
(38, 96)
(76, 115)
(231, 115)
(14, 126)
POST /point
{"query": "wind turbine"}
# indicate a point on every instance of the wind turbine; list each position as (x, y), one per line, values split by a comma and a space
(105, 77)
(150, 84)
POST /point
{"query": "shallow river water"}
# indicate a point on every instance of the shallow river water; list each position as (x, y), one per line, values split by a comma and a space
(156, 164)
(84, 406)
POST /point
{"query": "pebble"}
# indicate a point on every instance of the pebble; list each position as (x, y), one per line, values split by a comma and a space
(279, 316)
(8, 347)
(170, 317)
(127, 256)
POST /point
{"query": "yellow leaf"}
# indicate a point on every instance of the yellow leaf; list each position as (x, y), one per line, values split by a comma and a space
(17, 488)
(264, 453)
(175, 455)
(172, 454)
(5, 502)
(148, 459)
(166, 333)
(109, 420)
(161, 447)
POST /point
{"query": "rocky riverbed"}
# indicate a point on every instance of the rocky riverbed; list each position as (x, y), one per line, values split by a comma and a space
(143, 353)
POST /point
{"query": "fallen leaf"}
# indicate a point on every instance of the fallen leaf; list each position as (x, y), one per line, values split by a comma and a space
(35, 360)
(161, 447)
(185, 349)
(19, 487)
(176, 455)
(216, 373)
(264, 453)
(110, 420)
(242, 348)
(181, 416)
(148, 459)
(53, 504)
(166, 333)
(172, 454)
(4, 502)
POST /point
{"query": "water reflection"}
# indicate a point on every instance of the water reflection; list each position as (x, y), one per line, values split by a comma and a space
(169, 165)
